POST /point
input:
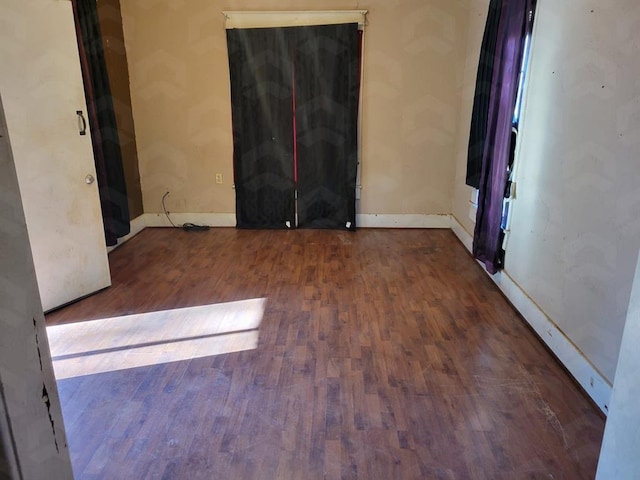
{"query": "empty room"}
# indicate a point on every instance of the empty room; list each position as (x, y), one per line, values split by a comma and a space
(324, 239)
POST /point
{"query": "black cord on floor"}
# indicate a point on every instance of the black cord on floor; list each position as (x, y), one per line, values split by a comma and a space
(192, 227)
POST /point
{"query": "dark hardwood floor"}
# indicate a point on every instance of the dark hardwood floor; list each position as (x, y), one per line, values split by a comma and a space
(382, 354)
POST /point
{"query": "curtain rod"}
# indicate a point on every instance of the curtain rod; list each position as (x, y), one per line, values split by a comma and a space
(265, 19)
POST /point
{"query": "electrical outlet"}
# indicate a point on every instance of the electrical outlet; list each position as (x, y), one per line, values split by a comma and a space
(219, 178)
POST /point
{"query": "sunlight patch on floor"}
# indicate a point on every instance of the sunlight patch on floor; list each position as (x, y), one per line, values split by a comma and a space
(144, 339)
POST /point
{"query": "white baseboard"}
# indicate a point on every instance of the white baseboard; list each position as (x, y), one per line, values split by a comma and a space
(465, 237)
(363, 220)
(372, 220)
(137, 225)
(209, 219)
(596, 386)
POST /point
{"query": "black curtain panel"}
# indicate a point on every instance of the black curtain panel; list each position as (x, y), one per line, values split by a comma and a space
(326, 66)
(102, 120)
(482, 95)
(262, 117)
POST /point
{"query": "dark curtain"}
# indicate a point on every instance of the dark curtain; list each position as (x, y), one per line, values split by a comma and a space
(513, 25)
(482, 95)
(102, 120)
(262, 117)
(326, 68)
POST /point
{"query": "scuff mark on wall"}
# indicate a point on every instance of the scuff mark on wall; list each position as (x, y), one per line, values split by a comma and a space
(47, 402)
(35, 327)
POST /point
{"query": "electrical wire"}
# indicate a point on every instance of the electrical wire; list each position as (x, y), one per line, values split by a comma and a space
(165, 210)
(187, 227)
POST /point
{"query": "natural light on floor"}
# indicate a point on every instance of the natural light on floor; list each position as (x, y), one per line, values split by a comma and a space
(139, 340)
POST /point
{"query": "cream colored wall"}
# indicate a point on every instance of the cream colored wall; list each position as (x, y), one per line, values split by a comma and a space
(178, 66)
(575, 229)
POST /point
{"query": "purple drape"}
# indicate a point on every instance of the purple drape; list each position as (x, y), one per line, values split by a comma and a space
(482, 95)
(513, 27)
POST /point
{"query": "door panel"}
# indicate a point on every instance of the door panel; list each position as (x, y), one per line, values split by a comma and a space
(41, 87)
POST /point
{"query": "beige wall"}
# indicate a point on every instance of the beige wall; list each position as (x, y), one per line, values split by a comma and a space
(575, 229)
(178, 64)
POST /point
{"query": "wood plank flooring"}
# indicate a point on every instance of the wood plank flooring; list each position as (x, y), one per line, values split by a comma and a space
(381, 354)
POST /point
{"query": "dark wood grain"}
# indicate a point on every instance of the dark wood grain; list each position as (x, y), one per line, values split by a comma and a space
(382, 354)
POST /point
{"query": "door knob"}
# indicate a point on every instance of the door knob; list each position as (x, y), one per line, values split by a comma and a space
(89, 179)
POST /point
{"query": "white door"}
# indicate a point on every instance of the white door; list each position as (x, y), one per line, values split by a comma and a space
(41, 88)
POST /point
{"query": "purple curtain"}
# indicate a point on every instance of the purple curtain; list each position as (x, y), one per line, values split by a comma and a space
(482, 96)
(514, 23)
